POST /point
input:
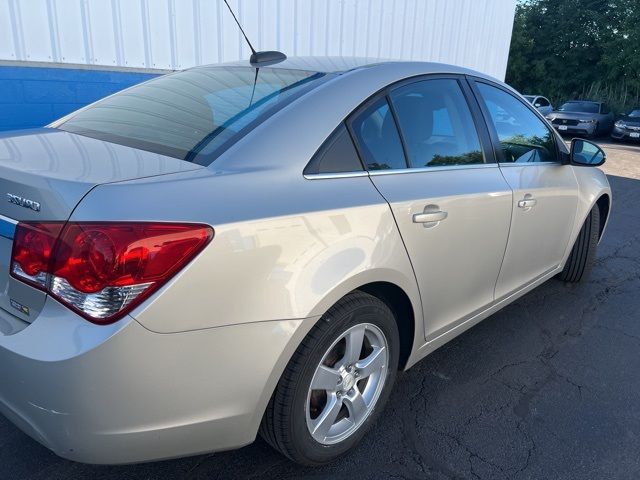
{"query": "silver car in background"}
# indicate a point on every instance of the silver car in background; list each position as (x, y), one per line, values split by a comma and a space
(231, 250)
(543, 104)
(582, 117)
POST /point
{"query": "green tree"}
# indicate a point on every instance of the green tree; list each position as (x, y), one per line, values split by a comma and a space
(566, 49)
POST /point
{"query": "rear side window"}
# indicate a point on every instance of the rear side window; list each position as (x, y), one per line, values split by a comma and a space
(524, 138)
(191, 115)
(336, 155)
(436, 124)
(378, 138)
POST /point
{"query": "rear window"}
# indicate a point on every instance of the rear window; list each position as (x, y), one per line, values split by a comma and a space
(192, 115)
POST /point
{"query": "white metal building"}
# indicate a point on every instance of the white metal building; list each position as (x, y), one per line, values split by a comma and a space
(106, 45)
(176, 34)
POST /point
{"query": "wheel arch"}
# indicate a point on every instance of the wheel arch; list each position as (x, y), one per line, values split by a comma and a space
(398, 291)
(593, 191)
(399, 303)
(405, 310)
(604, 205)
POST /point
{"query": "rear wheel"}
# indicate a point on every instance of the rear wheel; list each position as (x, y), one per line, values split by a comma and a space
(583, 253)
(336, 383)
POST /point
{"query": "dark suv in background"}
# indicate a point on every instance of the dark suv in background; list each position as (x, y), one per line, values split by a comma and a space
(628, 126)
(582, 117)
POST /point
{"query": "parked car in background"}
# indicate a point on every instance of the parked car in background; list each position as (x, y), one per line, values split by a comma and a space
(230, 250)
(628, 126)
(582, 117)
(541, 103)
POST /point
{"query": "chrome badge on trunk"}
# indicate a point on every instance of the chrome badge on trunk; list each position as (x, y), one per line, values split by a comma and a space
(23, 202)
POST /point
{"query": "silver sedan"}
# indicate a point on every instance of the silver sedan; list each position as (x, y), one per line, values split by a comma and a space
(233, 250)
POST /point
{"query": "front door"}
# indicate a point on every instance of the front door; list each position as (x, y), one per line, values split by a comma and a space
(424, 155)
(544, 190)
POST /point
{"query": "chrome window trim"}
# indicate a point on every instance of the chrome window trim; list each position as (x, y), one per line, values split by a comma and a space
(326, 176)
(442, 168)
(528, 164)
(396, 171)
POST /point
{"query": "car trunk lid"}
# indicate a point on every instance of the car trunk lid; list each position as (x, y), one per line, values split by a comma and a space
(44, 174)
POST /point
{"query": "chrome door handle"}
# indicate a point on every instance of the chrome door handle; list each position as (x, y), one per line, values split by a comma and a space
(530, 202)
(430, 217)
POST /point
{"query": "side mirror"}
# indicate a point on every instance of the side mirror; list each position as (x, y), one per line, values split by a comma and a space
(586, 154)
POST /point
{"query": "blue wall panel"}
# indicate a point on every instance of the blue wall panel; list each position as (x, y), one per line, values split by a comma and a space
(35, 96)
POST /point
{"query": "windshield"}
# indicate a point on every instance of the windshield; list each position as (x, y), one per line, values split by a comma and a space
(583, 107)
(634, 113)
(529, 98)
(192, 115)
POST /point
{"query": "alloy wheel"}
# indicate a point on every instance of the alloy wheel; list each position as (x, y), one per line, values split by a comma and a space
(347, 383)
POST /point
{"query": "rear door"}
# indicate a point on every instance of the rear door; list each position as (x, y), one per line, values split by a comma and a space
(423, 146)
(545, 191)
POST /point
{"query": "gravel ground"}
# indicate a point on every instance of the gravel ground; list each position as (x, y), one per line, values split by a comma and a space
(546, 388)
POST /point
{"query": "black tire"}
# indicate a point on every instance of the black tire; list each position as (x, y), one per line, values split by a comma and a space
(284, 424)
(583, 253)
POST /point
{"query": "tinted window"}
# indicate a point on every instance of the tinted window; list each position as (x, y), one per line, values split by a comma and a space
(336, 155)
(378, 138)
(193, 112)
(523, 136)
(436, 123)
(584, 107)
(543, 102)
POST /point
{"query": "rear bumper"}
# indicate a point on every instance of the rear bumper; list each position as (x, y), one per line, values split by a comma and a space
(123, 394)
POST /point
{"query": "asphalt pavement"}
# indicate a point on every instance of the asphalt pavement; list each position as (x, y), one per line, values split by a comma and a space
(548, 388)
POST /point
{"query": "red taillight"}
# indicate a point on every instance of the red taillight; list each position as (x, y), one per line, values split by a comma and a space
(32, 247)
(103, 270)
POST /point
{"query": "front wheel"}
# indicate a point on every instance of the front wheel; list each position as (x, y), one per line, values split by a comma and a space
(583, 253)
(337, 382)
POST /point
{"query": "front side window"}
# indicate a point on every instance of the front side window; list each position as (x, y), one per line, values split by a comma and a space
(191, 115)
(543, 102)
(436, 124)
(377, 135)
(524, 138)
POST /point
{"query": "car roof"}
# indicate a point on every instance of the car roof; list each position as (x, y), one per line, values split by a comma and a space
(339, 65)
(317, 64)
